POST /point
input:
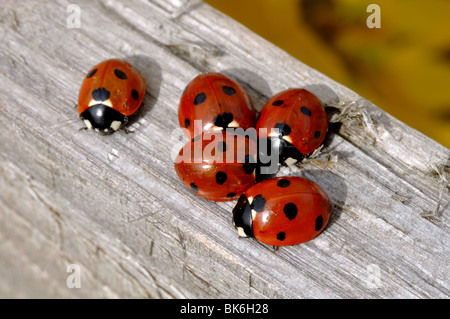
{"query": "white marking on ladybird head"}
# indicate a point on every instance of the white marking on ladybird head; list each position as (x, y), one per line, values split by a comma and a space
(241, 232)
(88, 124)
(216, 128)
(254, 214)
(95, 102)
(207, 126)
(233, 124)
(290, 161)
(92, 102)
(250, 200)
(115, 125)
(273, 133)
(107, 103)
(287, 138)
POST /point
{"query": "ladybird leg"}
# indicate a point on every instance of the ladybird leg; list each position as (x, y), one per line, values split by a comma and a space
(126, 131)
(122, 126)
(273, 248)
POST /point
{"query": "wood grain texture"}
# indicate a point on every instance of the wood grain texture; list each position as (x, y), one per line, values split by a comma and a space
(114, 205)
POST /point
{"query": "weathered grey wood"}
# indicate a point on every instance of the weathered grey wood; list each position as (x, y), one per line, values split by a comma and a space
(114, 206)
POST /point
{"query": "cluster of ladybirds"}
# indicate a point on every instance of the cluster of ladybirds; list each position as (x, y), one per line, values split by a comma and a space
(219, 162)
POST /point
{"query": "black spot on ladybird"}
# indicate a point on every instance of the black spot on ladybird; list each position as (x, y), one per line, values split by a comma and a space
(228, 90)
(194, 187)
(200, 98)
(221, 178)
(316, 134)
(231, 195)
(186, 123)
(277, 102)
(91, 74)
(319, 223)
(281, 236)
(135, 94)
(284, 129)
(249, 165)
(222, 146)
(258, 203)
(120, 74)
(248, 168)
(283, 183)
(305, 111)
(222, 120)
(101, 94)
(290, 210)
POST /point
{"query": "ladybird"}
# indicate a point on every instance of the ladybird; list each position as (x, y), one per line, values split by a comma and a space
(218, 101)
(294, 122)
(218, 166)
(282, 211)
(111, 91)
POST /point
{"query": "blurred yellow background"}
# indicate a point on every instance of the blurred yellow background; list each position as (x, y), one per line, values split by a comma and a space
(403, 67)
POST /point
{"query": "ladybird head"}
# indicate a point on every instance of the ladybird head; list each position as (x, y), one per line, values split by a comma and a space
(278, 149)
(103, 118)
(242, 217)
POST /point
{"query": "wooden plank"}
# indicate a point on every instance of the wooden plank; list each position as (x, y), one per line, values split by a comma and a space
(113, 205)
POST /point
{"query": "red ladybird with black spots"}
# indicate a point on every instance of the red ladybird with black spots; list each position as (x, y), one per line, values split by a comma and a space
(294, 123)
(218, 166)
(218, 101)
(282, 211)
(111, 92)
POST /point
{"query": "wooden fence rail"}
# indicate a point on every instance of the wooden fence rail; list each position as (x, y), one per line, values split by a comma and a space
(112, 209)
